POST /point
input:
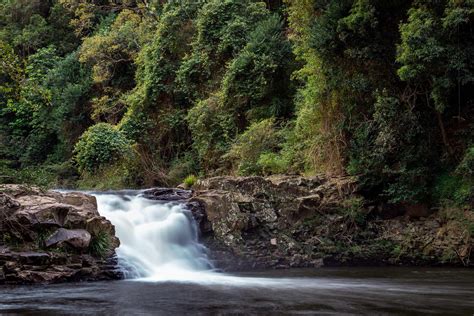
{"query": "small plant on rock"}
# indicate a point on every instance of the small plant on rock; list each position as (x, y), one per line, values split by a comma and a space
(100, 244)
(190, 181)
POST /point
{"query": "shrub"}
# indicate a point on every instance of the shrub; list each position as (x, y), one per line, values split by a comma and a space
(181, 167)
(100, 244)
(212, 130)
(451, 189)
(466, 167)
(387, 155)
(354, 210)
(252, 83)
(457, 188)
(124, 173)
(272, 163)
(134, 124)
(259, 139)
(101, 144)
(190, 181)
(45, 176)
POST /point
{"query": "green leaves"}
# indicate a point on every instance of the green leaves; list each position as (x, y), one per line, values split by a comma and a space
(420, 46)
(251, 150)
(250, 79)
(100, 145)
(212, 129)
(31, 25)
(437, 49)
(107, 50)
(391, 157)
(373, 88)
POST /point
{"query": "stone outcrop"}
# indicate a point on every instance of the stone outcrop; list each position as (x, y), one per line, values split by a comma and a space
(78, 238)
(166, 194)
(246, 222)
(293, 221)
(50, 236)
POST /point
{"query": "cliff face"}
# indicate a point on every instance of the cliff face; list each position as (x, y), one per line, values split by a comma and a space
(292, 221)
(50, 237)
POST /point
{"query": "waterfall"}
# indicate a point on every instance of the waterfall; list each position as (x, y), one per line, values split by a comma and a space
(159, 241)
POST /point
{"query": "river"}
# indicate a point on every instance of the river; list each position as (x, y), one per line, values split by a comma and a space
(169, 274)
(342, 291)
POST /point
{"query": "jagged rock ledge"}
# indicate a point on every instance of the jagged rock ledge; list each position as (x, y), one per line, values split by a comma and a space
(49, 237)
(293, 221)
(247, 222)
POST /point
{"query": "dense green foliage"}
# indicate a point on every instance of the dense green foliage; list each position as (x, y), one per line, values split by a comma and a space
(387, 92)
(99, 146)
(150, 92)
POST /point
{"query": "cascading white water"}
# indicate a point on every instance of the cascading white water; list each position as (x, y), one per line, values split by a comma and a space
(159, 241)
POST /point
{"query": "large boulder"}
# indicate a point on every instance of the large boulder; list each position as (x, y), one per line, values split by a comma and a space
(78, 238)
(47, 236)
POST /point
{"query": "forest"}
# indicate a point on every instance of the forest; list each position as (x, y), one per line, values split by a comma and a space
(128, 94)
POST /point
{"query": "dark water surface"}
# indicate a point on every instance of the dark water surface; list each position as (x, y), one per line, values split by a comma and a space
(341, 291)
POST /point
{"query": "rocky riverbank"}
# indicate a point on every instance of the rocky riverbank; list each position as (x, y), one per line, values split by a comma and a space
(291, 221)
(246, 222)
(48, 237)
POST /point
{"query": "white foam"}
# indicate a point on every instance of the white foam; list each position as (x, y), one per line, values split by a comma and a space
(158, 241)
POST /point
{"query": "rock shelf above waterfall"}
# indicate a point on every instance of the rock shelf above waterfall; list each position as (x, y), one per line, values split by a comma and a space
(293, 221)
(167, 194)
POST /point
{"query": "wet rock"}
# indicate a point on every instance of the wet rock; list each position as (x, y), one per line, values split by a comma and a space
(78, 238)
(4, 249)
(182, 186)
(167, 194)
(227, 221)
(200, 216)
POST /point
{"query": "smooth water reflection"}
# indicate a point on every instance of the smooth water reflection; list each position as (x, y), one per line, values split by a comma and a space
(342, 291)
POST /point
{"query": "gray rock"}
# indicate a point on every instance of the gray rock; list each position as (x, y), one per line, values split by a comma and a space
(27, 213)
(166, 194)
(78, 238)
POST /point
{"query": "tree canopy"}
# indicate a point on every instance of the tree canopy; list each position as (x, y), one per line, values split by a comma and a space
(381, 90)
